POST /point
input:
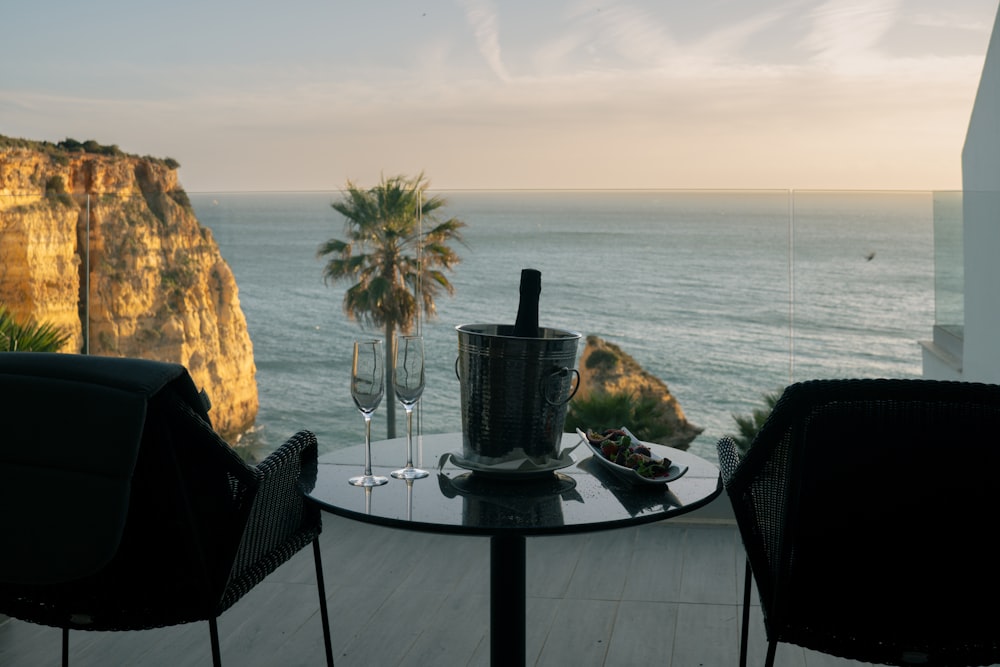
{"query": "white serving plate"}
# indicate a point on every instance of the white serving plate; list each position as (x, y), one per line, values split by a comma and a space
(674, 471)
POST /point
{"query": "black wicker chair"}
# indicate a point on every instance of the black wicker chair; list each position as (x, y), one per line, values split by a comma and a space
(124, 510)
(868, 512)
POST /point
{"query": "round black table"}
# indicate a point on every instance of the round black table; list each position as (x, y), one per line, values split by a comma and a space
(583, 497)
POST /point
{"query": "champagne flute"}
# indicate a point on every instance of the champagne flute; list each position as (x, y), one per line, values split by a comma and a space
(408, 380)
(367, 387)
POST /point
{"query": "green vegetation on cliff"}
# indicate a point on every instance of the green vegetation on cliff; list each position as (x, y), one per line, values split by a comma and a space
(61, 151)
(642, 414)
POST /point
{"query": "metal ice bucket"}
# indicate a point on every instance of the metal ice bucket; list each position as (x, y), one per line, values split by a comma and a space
(514, 391)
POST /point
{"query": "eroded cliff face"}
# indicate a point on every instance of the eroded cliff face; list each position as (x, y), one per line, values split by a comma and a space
(109, 250)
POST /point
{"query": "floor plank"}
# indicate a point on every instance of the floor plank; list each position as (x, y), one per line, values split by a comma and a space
(643, 633)
(704, 634)
(603, 566)
(582, 629)
(657, 564)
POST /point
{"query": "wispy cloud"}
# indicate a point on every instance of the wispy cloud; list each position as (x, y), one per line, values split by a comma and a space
(942, 18)
(634, 34)
(846, 33)
(727, 43)
(482, 17)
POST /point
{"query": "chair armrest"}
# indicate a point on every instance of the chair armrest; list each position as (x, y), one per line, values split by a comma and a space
(297, 453)
(280, 509)
(280, 522)
(729, 458)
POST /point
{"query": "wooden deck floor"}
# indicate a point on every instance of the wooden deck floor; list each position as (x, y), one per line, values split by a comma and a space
(664, 594)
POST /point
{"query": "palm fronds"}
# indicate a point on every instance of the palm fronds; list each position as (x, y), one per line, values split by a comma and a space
(29, 336)
(749, 425)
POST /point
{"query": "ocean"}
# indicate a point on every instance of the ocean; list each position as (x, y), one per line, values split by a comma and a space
(724, 295)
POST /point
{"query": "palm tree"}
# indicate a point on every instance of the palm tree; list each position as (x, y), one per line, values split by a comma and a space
(396, 252)
(749, 425)
(29, 336)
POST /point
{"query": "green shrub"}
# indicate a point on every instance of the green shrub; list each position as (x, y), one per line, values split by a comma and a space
(602, 358)
(55, 185)
(643, 415)
(70, 145)
(181, 197)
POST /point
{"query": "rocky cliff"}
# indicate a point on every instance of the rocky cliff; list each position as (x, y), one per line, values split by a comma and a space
(605, 368)
(107, 247)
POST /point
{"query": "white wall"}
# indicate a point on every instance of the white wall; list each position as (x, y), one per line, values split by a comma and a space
(981, 206)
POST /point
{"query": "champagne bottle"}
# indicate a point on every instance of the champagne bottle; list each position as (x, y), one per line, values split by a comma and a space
(526, 324)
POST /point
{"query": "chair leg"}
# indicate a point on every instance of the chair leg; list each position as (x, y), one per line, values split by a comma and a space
(744, 632)
(213, 628)
(324, 614)
(65, 647)
(772, 646)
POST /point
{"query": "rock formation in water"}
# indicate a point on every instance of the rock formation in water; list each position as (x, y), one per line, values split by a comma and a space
(106, 247)
(605, 368)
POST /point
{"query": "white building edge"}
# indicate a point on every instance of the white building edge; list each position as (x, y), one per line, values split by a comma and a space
(970, 350)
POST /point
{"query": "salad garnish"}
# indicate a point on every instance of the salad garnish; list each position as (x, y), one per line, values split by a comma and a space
(618, 447)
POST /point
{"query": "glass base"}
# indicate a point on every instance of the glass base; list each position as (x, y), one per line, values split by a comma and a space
(368, 480)
(409, 473)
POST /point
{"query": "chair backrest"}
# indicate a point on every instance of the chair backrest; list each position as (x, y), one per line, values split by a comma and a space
(126, 500)
(867, 511)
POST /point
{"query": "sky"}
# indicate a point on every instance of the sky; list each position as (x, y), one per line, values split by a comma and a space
(304, 95)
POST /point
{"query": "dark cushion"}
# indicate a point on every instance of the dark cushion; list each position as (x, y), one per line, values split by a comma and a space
(72, 430)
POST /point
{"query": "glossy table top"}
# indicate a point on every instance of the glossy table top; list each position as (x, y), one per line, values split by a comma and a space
(582, 497)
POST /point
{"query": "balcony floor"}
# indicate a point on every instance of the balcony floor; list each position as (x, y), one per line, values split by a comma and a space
(665, 594)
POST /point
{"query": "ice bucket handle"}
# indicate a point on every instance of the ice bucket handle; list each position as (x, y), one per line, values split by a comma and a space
(549, 387)
(546, 384)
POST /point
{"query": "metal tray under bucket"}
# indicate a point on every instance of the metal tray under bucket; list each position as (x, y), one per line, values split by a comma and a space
(514, 391)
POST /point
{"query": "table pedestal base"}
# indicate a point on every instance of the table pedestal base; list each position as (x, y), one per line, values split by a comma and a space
(507, 600)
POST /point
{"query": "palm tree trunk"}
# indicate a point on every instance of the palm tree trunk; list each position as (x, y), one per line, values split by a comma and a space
(390, 389)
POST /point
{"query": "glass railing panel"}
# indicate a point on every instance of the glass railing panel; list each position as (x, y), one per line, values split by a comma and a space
(301, 337)
(949, 267)
(724, 295)
(863, 283)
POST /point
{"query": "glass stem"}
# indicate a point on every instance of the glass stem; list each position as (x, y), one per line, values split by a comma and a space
(409, 436)
(368, 445)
